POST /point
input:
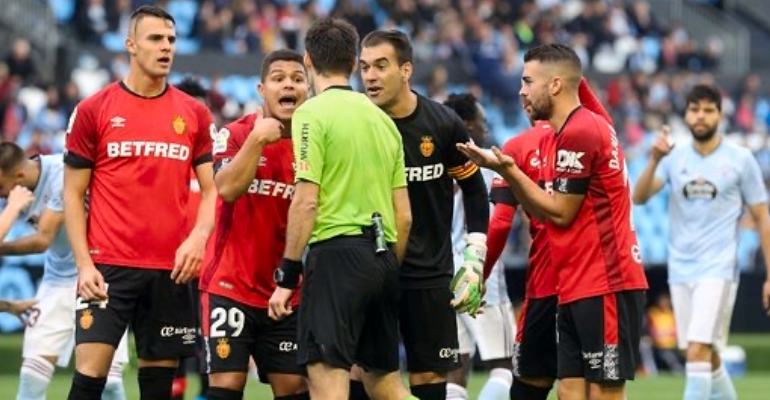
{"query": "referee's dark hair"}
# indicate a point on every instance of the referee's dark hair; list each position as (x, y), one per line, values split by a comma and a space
(280, 55)
(11, 157)
(331, 44)
(464, 104)
(395, 38)
(704, 92)
(148, 11)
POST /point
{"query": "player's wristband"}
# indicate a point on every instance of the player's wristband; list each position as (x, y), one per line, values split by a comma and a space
(288, 273)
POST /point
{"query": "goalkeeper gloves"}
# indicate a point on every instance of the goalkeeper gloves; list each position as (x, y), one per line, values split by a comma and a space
(468, 282)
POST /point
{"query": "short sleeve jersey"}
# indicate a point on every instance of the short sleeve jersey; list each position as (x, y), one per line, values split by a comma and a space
(352, 150)
(141, 151)
(525, 151)
(598, 252)
(250, 233)
(708, 195)
(430, 136)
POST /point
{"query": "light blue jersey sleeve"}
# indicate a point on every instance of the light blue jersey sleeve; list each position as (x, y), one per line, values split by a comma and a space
(56, 196)
(752, 186)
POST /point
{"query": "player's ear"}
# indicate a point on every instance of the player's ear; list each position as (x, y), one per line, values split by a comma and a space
(556, 85)
(261, 89)
(130, 45)
(406, 71)
(307, 61)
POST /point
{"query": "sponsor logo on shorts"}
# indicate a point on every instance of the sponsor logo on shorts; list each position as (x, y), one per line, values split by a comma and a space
(447, 352)
(611, 358)
(223, 348)
(516, 356)
(86, 319)
(187, 333)
(593, 359)
(287, 347)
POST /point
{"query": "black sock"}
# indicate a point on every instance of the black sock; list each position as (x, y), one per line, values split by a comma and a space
(357, 391)
(525, 391)
(429, 391)
(155, 382)
(204, 379)
(218, 393)
(299, 396)
(86, 387)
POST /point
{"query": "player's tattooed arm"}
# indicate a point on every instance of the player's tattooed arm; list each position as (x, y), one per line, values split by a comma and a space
(561, 208)
(47, 228)
(18, 199)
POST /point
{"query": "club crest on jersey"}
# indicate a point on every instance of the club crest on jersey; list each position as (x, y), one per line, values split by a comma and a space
(179, 125)
(86, 319)
(223, 348)
(426, 147)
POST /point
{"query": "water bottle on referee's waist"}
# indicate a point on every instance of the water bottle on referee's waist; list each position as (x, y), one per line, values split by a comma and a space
(380, 245)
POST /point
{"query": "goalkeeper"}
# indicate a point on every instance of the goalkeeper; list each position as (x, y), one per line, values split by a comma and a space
(430, 133)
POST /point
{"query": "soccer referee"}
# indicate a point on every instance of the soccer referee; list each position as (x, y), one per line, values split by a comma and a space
(351, 205)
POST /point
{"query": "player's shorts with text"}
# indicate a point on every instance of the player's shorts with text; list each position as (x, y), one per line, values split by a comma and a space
(349, 311)
(159, 311)
(534, 353)
(598, 337)
(429, 330)
(233, 331)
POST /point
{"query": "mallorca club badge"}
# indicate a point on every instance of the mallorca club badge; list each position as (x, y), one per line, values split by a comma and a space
(179, 125)
(223, 348)
(86, 319)
(426, 147)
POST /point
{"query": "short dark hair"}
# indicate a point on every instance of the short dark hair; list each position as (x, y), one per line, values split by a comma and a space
(280, 55)
(704, 92)
(149, 11)
(192, 87)
(331, 44)
(554, 53)
(464, 104)
(11, 157)
(395, 38)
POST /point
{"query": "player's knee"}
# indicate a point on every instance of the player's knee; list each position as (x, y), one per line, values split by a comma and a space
(287, 384)
(607, 391)
(699, 352)
(228, 380)
(426, 378)
(571, 389)
(94, 359)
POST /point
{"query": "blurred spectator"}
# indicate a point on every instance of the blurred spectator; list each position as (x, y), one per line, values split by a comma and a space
(20, 63)
(660, 319)
(91, 20)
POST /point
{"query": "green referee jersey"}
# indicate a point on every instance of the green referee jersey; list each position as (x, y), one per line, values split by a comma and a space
(349, 147)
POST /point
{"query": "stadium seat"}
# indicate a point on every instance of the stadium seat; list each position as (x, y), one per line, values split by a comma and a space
(184, 12)
(62, 10)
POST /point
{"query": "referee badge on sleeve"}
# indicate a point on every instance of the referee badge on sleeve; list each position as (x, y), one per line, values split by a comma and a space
(223, 348)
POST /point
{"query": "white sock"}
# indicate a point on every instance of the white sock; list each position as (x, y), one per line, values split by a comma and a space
(114, 390)
(722, 386)
(455, 392)
(698, 386)
(34, 377)
(498, 386)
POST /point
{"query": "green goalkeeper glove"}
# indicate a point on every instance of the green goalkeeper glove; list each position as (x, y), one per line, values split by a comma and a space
(468, 283)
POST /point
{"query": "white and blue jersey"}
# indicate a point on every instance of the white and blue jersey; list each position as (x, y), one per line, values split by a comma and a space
(497, 290)
(60, 267)
(708, 195)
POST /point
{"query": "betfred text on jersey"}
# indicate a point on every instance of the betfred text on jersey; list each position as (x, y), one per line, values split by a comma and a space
(173, 151)
(424, 173)
(266, 187)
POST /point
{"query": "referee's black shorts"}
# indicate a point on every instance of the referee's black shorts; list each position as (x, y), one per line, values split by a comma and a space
(349, 312)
